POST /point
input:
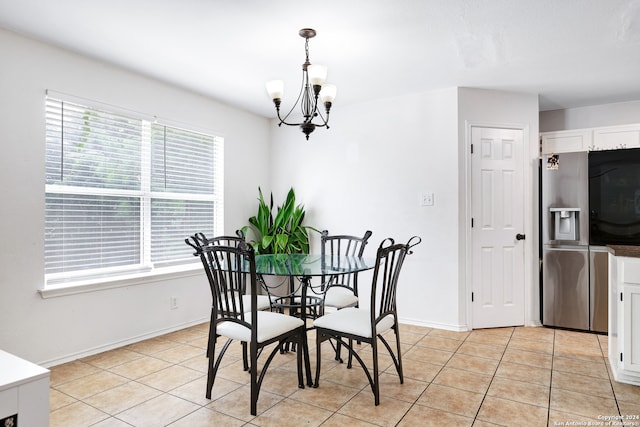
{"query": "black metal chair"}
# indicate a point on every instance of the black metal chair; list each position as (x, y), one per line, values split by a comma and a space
(230, 270)
(341, 290)
(369, 323)
(264, 301)
(199, 240)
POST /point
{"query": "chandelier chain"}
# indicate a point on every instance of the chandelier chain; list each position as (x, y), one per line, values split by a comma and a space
(306, 51)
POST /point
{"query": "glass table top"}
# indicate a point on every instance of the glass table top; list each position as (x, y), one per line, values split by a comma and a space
(311, 265)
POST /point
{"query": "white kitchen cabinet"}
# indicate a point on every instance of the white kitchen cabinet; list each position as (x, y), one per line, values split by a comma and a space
(616, 137)
(592, 139)
(566, 141)
(24, 392)
(624, 316)
(631, 328)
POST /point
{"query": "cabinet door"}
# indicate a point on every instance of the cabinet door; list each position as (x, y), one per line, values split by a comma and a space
(631, 328)
(616, 137)
(569, 141)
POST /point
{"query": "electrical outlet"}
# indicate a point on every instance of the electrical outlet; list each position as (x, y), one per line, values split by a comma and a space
(173, 303)
(426, 199)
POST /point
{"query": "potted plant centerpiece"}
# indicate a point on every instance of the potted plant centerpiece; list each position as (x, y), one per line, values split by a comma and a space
(282, 233)
(279, 231)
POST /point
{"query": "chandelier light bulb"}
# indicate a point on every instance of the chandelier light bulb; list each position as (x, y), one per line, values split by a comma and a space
(317, 74)
(275, 89)
(328, 93)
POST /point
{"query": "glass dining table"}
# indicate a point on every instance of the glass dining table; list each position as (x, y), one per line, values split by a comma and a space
(303, 268)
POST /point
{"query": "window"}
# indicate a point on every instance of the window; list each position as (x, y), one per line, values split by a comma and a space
(123, 192)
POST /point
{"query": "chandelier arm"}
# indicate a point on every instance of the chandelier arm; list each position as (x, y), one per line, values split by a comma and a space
(325, 121)
(283, 120)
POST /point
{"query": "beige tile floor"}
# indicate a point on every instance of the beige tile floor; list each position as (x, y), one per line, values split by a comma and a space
(507, 376)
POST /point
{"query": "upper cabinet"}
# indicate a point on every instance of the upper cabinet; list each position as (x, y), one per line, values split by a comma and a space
(603, 138)
(616, 137)
(566, 141)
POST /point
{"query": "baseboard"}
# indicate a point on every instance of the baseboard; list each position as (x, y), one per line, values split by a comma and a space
(435, 325)
(100, 349)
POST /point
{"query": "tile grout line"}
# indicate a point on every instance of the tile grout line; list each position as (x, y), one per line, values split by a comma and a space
(136, 381)
(553, 358)
(603, 357)
(426, 388)
(492, 376)
(611, 380)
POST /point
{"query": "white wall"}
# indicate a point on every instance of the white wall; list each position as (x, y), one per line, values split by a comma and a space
(620, 113)
(368, 171)
(48, 331)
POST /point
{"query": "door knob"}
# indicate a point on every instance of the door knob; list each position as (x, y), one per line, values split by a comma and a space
(520, 236)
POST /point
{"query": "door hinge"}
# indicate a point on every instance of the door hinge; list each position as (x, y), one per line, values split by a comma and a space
(471, 222)
(621, 357)
(471, 148)
(621, 297)
(471, 296)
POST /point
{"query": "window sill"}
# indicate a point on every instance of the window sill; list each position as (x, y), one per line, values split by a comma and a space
(92, 285)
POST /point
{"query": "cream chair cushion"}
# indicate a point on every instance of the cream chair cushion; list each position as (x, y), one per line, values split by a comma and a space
(270, 325)
(355, 321)
(339, 297)
(262, 301)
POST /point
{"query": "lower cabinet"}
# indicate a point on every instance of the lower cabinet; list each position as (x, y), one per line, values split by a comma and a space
(631, 328)
(624, 316)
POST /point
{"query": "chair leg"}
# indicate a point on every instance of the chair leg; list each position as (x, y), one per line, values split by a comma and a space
(212, 336)
(299, 357)
(253, 369)
(399, 355)
(307, 362)
(338, 348)
(376, 378)
(318, 358)
(245, 361)
(211, 370)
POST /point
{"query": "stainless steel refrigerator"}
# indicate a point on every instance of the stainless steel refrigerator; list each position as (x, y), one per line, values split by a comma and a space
(574, 275)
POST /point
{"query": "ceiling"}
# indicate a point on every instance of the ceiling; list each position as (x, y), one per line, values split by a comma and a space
(571, 52)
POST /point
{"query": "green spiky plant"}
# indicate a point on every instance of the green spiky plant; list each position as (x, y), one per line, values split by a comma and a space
(282, 233)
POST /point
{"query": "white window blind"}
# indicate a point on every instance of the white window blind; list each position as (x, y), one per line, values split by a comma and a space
(122, 193)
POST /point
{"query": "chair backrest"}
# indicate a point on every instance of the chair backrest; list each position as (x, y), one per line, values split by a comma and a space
(201, 240)
(229, 270)
(343, 245)
(389, 260)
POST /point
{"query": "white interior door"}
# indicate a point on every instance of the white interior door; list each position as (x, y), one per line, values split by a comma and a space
(497, 206)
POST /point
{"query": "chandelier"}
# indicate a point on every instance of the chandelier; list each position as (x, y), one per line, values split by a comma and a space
(313, 87)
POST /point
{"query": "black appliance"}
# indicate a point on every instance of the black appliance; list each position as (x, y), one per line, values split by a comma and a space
(614, 197)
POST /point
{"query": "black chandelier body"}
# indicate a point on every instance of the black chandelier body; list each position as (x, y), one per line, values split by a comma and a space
(312, 90)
